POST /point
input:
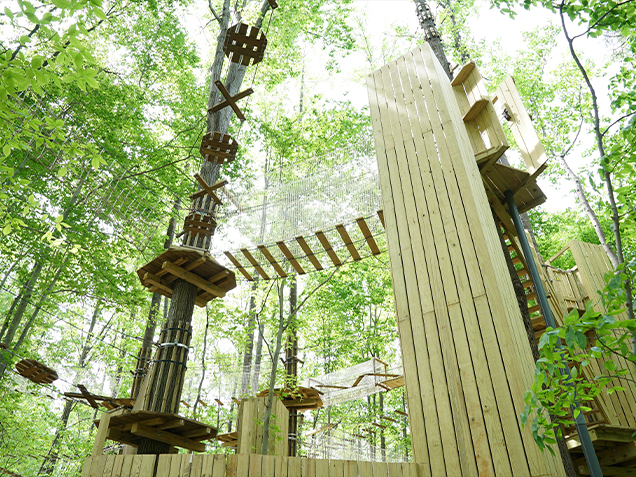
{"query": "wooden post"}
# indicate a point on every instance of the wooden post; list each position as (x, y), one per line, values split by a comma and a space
(250, 427)
(467, 360)
(102, 434)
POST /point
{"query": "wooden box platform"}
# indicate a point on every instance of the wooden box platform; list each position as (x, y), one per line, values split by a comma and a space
(190, 264)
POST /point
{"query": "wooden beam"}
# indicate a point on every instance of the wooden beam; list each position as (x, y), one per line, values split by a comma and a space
(609, 471)
(348, 242)
(246, 253)
(193, 278)
(230, 100)
(157, 282)
(208, 188)
(216, 278)
(613, 455)
(166, 437)
(290, 256)
(102, 434)
(238, 266)
(328, 248)
(202, 192)
(88, 396)
(310, 255)
(368, 236)
(272, 261)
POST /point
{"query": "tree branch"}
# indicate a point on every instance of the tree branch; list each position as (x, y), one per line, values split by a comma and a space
(216, 17)
(617, 121)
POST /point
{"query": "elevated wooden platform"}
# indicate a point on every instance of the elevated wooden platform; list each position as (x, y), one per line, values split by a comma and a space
(192, 265)
(240, 465)
(299, 399)
(615, 447)
(129, 427)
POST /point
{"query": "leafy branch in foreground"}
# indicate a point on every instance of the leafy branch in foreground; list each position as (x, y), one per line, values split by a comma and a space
(603, 337)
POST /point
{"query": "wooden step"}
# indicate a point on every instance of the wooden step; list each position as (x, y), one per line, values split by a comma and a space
(511, 248)
(538, 323)
(476, 108)
(527, 284)
(522, 272)
(534, 309)
(531, 296)
(516, 260)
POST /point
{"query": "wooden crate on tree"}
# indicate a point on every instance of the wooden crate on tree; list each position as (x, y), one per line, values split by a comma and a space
(244, 44)
(219, 148)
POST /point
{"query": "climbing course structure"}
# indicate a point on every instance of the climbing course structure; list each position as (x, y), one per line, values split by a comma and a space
(447, 206)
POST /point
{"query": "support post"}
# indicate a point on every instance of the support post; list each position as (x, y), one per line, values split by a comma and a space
(580, 424)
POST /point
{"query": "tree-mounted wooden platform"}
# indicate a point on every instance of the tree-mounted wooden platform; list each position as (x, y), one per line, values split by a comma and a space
(244, 44)
(297, 399)
(189, 264)
(35, 371)
(219, 148)
(229, 439)
(129, 427)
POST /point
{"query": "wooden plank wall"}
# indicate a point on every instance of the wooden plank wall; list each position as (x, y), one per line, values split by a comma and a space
(241, 465)
(593, 264)
(466, 355)
(250, 426)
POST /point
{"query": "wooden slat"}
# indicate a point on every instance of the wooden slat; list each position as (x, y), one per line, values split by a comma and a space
(368, 236)
(290, 256)
(166, 437)
(250, 258)
(308, 252)
(328, 248)
(238, 266)
(272, 261)
(348, 242)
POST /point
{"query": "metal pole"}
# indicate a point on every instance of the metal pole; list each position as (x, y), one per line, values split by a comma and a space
(579, 422)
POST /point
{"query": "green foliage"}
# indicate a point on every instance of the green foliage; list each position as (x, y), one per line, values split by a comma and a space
(603, 336)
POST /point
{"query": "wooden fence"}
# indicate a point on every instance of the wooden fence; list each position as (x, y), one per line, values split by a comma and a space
(240, 465)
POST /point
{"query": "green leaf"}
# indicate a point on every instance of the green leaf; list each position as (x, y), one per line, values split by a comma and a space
(8, 13)
(570, 336)
(62, 172)
(6, 150)
(99, 13)
(581, 339)
(63, 4)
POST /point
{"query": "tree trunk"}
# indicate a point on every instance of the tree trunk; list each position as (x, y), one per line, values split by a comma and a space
(50, 461)
(431, 35)
(248, 354)
(168, 371)
(291, 368)
(257, 358)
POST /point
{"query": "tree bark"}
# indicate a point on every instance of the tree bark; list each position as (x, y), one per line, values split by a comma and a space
(291, 368)
(431, 35)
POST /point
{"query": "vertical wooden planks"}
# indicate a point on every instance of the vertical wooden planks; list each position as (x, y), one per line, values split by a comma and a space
(207, 465)
(280, 469)
(294, 467)
(119, 463)
(219, 468)
(365, 469)
(466, 357)
(322, 468)
(268, 466)
(405, 289)
(308, 467)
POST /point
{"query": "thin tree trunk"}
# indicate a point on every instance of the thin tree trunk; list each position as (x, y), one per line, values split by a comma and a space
(50, 461)
(257, 358)
(431, 35)
(248, 354)
(38, 307)
(7, 318)
(291, 368)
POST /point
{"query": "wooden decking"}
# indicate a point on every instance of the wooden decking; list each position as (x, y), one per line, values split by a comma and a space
(240, 465)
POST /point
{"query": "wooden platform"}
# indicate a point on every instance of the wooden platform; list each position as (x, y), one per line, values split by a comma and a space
(192, 265)
(132, 426)
(241, 465)
(615, 447)
(299, 399)
(36, 371)
(229, 439)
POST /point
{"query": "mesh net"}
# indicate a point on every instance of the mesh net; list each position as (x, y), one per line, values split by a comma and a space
(342, 445)
(354, 382)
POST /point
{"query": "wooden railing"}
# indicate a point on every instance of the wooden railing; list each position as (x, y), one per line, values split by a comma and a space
(241, 465)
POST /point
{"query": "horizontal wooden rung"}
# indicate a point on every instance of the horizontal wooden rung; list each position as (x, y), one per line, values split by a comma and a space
(328, 248)
(364, 228)
(272, 261)
(344, 235)
(290, 256)
(238, 266)
(310, 255)
(250, 258)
